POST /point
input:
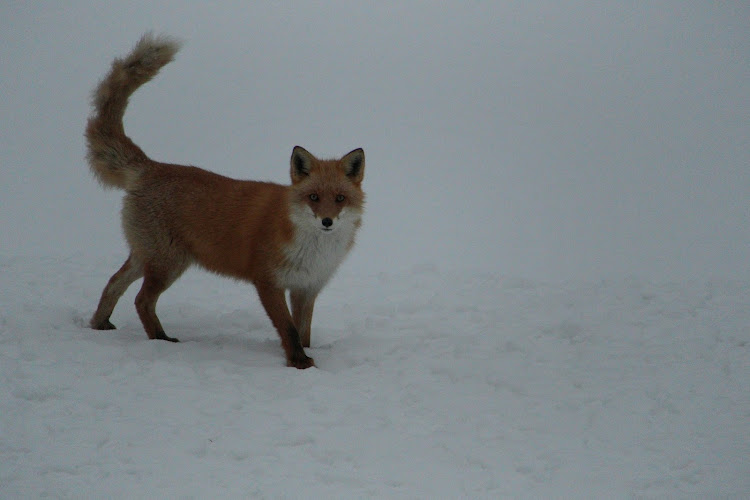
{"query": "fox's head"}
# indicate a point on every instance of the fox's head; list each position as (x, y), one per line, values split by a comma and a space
(327, 194)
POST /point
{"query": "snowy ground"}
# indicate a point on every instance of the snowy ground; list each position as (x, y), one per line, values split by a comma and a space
(429, 384)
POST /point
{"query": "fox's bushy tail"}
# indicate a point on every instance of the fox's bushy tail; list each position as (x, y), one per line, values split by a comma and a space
(115, 160)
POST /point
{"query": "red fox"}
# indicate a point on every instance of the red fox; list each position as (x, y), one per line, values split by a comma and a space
(278, 237)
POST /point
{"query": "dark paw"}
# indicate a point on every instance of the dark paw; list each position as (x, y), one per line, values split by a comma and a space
(164, 336)
(104, 325)
(300, 361)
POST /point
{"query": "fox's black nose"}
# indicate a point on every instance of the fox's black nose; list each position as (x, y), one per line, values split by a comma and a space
(327, 222)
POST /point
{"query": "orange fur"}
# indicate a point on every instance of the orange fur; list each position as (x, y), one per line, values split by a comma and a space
(277, 237)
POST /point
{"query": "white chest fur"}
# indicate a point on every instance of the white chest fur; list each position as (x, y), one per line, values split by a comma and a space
(314, 255)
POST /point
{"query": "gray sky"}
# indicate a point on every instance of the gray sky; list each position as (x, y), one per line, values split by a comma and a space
(548, 140)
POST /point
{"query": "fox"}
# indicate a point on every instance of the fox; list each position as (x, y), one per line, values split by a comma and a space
(279, 238)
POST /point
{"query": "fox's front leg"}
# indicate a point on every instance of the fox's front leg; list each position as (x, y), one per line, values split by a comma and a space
(303, 302)
(274, 302)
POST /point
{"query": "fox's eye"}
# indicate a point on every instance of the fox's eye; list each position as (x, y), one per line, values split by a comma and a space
(340, 198)
(314, 197)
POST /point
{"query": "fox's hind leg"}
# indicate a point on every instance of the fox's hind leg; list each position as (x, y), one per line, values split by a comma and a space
(118, 283)
(156, 279)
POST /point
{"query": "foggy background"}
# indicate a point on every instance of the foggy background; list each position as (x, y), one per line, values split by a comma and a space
(546, 140)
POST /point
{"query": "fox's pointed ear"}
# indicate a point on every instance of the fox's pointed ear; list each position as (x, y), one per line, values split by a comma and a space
(300, 164)
(354, 165)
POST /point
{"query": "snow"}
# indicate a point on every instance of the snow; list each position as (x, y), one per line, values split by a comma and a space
(430, 383)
